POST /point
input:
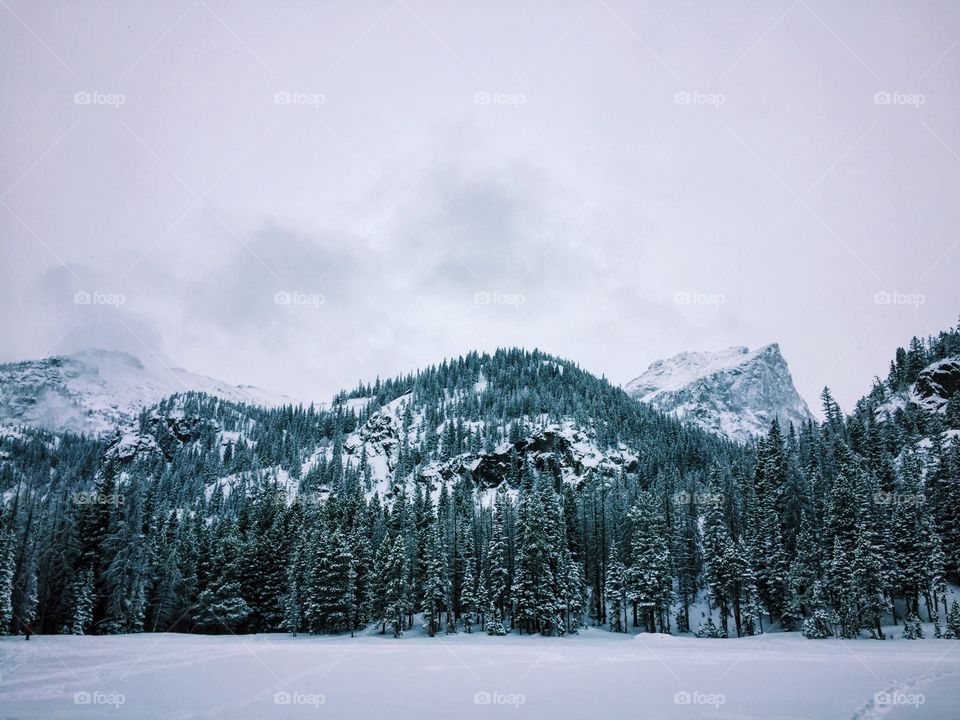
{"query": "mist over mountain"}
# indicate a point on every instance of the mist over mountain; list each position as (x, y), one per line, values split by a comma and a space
(95, 391)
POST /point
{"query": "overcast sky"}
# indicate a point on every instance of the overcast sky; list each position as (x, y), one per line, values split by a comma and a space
(301, 195)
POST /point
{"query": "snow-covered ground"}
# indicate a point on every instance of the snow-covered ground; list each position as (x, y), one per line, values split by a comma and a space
(596, 674)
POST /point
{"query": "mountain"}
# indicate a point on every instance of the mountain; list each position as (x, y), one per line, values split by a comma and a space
(94, 391)
(735, 392)
(479, 415)
(505, 492)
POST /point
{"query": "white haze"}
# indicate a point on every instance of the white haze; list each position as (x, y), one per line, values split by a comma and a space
(583, 198)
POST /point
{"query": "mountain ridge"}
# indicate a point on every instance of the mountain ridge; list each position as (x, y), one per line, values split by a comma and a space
(94, 391)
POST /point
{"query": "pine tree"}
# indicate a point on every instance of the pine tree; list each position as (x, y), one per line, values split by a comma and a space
(817, 625)
(82, 599)
(6, 582)
(953, 622)
(841, 571)
(498, 558)
(436, 595)
(717, 550)
(710, 630)
(616, 591)
(468, 595)
(534, 586)
(806, 570)
(221, 607)
(648, 577)
(912, 629)
(395, 589)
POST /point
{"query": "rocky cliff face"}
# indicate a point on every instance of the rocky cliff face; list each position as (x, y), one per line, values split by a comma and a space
(735, 392)
(936, 384)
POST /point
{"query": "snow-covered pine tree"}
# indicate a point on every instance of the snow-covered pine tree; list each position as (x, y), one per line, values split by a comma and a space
(650, 585)
(498, 558)
(469, 600)
(717, 549)
(817, 625)
(436, 593)
(6, 582)
(912, 629)
(82, 598)
(395, 590)
(616, 591)
(805, 571)
(953, 622)
(841, 572)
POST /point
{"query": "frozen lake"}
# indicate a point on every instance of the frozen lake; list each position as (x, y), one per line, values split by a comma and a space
(596, 674)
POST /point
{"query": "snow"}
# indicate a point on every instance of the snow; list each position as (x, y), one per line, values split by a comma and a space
(734, 392)
(357, 405)
(936, 380)
(480, 386)
(94, 391)
(681, 370)
(595, 674)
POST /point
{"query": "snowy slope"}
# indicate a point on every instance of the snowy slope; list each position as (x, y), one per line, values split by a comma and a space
(735, 392)
(94, 391)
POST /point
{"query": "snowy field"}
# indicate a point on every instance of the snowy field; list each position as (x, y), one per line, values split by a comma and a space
(595, 675)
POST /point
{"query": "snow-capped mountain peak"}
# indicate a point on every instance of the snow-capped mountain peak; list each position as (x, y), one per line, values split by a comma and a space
(735, 392)
(93, 391)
